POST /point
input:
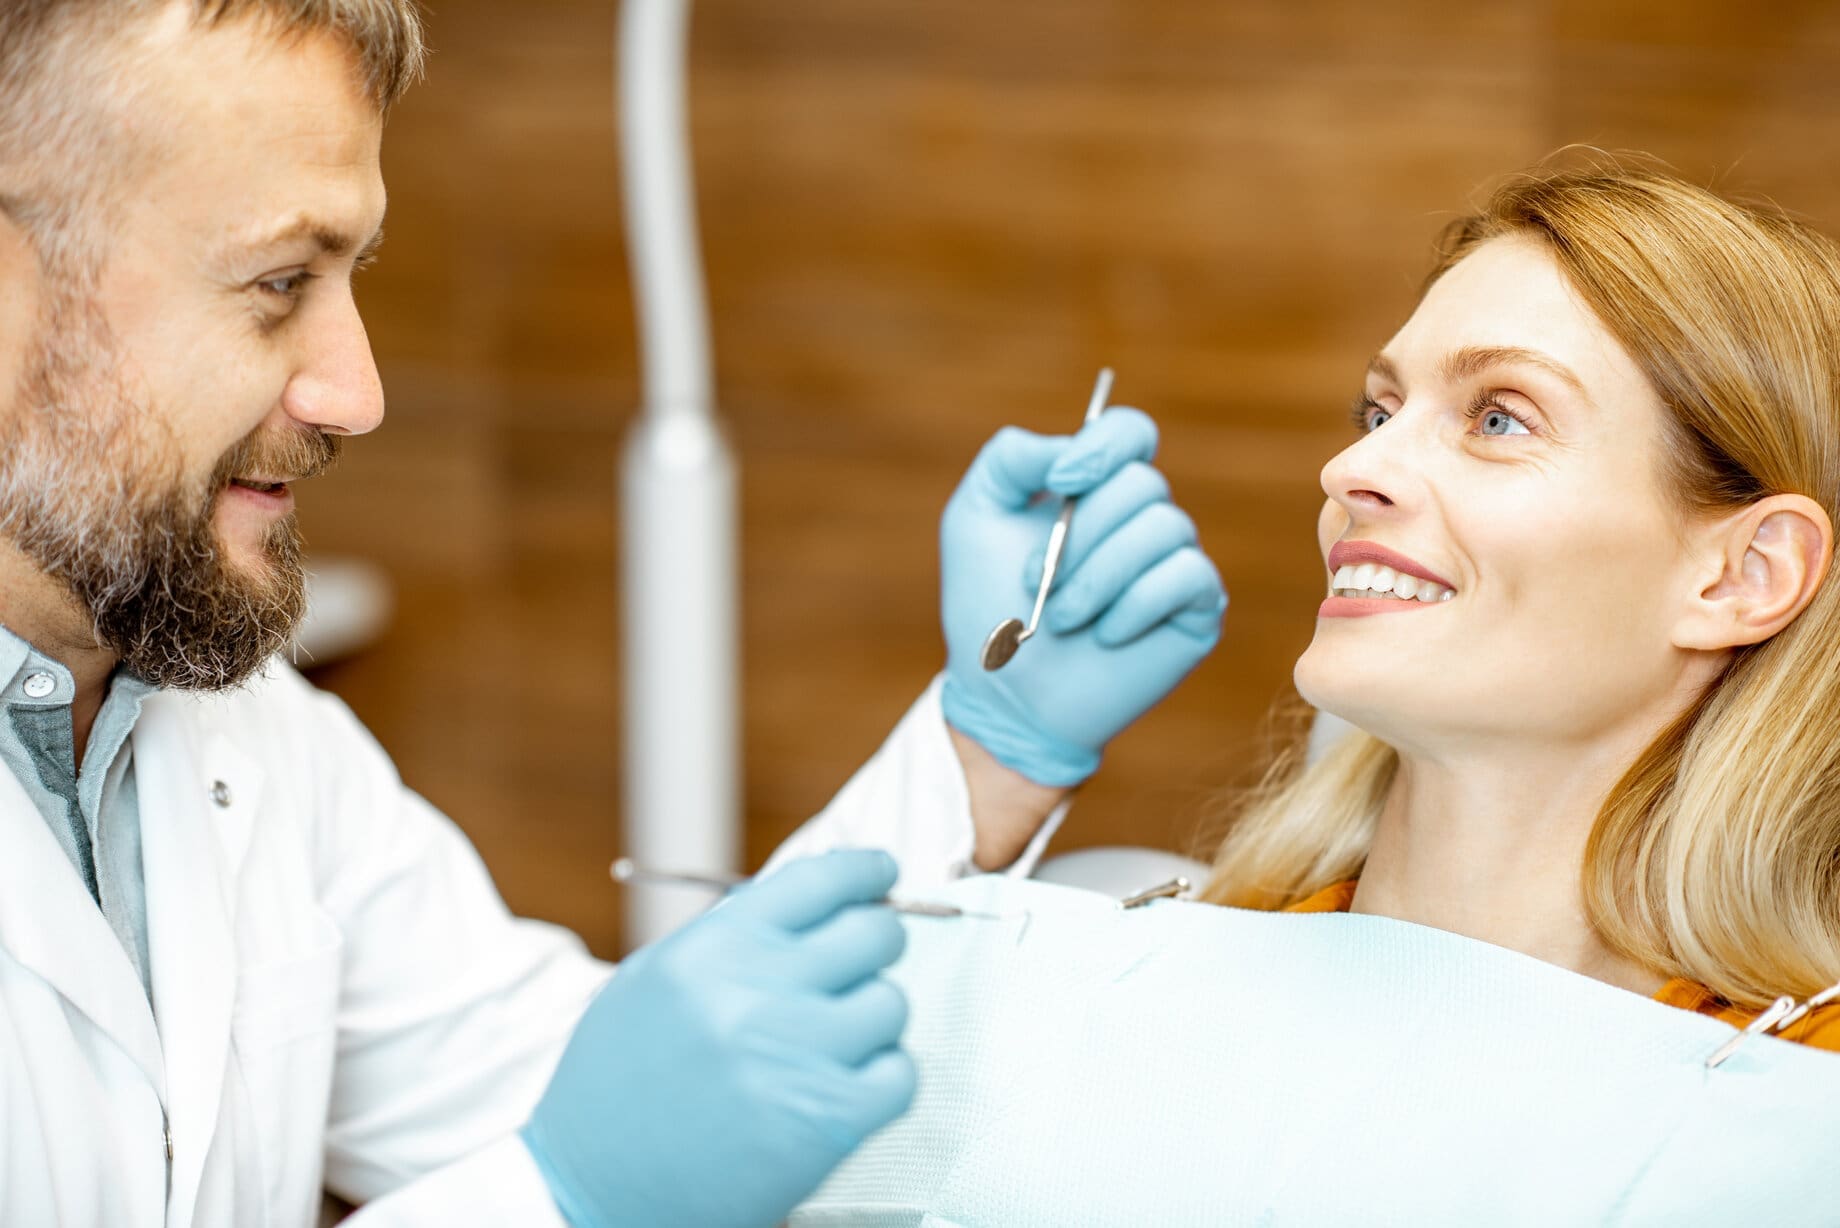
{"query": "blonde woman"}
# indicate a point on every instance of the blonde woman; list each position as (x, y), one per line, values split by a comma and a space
(1583, 615)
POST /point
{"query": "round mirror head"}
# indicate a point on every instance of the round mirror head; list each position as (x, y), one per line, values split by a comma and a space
(1002, 644)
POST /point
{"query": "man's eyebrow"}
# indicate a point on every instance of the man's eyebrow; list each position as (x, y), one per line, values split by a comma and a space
(369, 249)
(331, 240)
(1472, 360)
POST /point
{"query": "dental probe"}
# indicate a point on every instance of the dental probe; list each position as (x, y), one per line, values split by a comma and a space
(1009, 634)
(626, 871)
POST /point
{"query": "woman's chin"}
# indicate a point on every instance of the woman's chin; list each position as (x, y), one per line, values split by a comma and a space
(1373, 705)
(1318, 680)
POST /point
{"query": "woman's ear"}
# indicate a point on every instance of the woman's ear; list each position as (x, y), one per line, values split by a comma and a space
(1765, 564)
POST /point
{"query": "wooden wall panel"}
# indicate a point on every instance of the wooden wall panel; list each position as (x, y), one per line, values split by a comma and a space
(923, 221)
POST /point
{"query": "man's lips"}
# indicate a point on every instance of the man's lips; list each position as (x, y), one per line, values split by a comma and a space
(262, 485)
(274, 498)
(1353, 554)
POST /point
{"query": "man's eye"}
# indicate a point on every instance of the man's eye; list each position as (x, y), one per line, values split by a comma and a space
(288, 287)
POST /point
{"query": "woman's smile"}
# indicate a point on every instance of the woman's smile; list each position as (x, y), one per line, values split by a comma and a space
(1367, 578)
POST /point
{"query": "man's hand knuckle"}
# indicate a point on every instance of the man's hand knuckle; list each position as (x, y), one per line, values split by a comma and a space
(1170, 522)
(893, 1004)
(1007, 438)
(1148, 481)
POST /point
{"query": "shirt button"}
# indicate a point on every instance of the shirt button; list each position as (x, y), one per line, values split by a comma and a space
(37, 686)
(220, 793)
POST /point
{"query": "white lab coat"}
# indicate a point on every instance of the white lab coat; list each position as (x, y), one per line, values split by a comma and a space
(343, 1001)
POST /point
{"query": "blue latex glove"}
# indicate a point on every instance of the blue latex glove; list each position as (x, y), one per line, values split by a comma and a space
(1136, 604)
(723, 1072)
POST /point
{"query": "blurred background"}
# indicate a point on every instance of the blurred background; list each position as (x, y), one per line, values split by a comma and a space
(922, 221)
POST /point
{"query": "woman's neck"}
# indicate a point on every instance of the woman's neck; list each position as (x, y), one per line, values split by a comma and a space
(1492, 848)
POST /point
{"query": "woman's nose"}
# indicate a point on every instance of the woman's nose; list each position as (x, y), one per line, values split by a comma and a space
(1379, 470)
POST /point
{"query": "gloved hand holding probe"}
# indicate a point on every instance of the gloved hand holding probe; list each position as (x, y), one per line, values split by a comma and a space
(723, 1072)
(1135, 605)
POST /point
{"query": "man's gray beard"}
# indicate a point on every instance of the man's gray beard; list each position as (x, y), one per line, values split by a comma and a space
(91, 489)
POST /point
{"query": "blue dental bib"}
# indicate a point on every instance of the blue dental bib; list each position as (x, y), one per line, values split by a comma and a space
(1187, 1064)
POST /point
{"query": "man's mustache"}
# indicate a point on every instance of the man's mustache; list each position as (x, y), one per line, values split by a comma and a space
(293, 454)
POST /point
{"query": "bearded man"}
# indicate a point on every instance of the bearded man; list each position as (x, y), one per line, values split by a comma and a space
(239, 961)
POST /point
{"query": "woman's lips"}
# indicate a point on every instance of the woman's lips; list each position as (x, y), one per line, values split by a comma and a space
(1353, 554)
(1350, 557)
(1361, 607)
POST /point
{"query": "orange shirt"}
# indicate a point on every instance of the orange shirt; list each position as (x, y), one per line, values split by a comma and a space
(1820, 1028)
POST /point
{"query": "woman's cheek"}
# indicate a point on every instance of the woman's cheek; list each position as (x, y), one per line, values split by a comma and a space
(1331, 523)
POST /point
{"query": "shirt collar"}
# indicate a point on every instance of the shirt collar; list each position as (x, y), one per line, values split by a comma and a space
(30, 678)
(13, 654)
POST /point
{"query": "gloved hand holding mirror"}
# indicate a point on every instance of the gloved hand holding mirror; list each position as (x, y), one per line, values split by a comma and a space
(1134, 607)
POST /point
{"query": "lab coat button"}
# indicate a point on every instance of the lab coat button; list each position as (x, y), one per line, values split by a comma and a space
(37, 686)
(220, 793)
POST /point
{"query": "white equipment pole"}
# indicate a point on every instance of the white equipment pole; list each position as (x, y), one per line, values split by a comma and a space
(678, 517)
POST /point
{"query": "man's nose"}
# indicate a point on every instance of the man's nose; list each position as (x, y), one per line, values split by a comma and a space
(336, 387)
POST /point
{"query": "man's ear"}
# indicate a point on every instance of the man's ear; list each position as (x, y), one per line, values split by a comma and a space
(1762, 568)
(20, 277)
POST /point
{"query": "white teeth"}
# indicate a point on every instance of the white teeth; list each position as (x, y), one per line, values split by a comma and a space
(1372, 580)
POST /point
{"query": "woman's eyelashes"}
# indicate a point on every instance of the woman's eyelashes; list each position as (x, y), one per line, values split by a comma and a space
(1367, 413)
(1494, 418)
(1486, 409)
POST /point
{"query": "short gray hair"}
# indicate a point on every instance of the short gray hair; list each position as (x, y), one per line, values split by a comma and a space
(54, 71)
(386, 34)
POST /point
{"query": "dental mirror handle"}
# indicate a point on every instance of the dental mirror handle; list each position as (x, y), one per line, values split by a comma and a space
(1101, 393)
(1057, 541)
(625, 870)
(1007, 636)
(1057, 537)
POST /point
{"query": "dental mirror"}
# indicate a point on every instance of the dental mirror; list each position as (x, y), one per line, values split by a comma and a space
(1008, 635)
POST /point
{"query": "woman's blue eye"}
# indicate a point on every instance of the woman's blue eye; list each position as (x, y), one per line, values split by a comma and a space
(1501, 422)
(1493, 417)
(1366, 413)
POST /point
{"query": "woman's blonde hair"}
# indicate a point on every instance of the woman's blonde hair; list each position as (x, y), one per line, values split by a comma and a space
(1716, 857)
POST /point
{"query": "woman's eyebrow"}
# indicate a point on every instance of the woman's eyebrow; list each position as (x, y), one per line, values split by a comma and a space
(1472, 360)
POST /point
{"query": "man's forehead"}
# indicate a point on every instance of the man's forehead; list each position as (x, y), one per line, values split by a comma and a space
(264, 138)
(233, 62)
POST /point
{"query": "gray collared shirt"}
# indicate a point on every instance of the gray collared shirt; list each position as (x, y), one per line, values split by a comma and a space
(95, 814)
